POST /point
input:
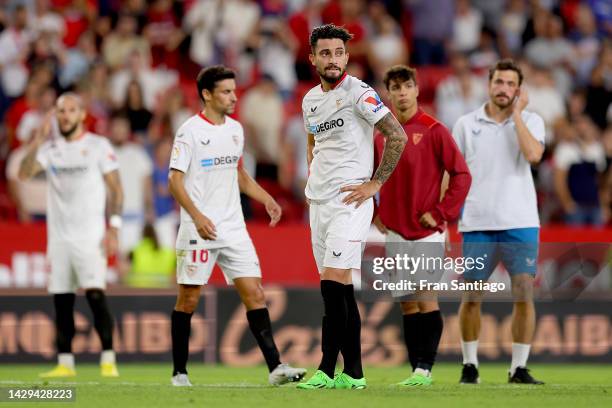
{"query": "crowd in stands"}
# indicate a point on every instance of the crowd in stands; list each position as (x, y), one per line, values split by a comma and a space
(134, 63)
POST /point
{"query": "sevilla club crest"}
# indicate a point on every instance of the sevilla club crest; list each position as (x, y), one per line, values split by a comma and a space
(416, 138)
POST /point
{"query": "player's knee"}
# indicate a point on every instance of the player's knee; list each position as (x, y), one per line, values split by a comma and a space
(409, 307)
(255, 299)
(522, 289)
(186, 303)
(471, 305)
(428, 306)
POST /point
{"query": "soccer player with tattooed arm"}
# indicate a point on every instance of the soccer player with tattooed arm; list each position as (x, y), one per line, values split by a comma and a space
(340, 115)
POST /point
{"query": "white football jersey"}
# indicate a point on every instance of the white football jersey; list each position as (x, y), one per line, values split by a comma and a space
(76, 193)
(342, 121)
(209, 156)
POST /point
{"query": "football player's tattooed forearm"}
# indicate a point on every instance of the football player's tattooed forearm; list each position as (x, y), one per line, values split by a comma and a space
(394, 146)
(27, 164)
(115, 193)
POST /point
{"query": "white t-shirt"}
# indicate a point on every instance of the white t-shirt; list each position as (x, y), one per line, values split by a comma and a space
(342, 121)
(209, 156)
(134, 165)
(76, 189)
(502, 195)
(568, 154)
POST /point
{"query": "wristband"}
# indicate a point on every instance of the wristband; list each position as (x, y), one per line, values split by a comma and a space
(115, 221)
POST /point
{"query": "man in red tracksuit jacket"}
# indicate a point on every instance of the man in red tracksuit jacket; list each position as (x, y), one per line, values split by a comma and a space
(413, 210)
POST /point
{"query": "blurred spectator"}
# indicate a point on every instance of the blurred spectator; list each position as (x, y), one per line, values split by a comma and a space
(460, 93)
(76, 62)
(152, 263)
(350, 14)
(387, 45)
(301, 24)
(135, 169)
(175, 110)
(166, 217)
(18, 108)
(78, 15)
(220, 29)
(138, 115)
(485, 55)
(46, 50)
(580, 162)
(513, 22)
(164, 34)
(433, 28)
(576, 104)
(14, 50)
(601, 9)
(32, 119)
(259, 113)
(293, 168)
(599, 90)
(120, 44)
(153, 81)
(43, 19)
(587, 44)
(551, 50)
(544, 98)
(467, 26)
(491, 10)
(275, 46)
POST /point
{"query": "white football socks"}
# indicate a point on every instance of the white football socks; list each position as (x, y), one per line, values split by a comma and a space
(469, 349)
(107, 356)
(520, 354)
(66, 359)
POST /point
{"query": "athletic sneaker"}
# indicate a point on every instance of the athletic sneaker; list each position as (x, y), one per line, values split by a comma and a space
(469, 374)
(416, 380)
(284, 373)
(343, 381)
(60, 371)
(317, 381)
(109, 370)
(181, 380)
(522, 376)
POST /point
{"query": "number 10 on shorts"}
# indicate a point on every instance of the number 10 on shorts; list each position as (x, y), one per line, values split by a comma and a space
(199, 254)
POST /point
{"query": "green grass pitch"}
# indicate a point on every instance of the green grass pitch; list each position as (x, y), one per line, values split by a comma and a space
(575, 385)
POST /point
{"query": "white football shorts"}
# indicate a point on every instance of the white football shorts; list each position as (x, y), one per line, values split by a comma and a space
(194, 266)
(338, 232)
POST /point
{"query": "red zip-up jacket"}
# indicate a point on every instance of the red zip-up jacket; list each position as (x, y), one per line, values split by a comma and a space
(414, 187)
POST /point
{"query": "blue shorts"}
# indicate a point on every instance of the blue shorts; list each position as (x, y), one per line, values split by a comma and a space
(516, 248)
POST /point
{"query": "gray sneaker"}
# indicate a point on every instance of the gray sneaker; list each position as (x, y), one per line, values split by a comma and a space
(181, 380)
(284, 373)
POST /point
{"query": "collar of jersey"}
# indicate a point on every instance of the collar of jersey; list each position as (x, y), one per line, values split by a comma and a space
(200, 114)
(337, 84)
(482, 116)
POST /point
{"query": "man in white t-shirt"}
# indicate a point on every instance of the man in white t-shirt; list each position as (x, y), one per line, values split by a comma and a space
(339, 116)
(206, 178)
(80, 168)
(500, 141)
(135, 170)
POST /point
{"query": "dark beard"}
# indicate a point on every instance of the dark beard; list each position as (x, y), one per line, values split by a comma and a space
(68, 132)
(331, 80)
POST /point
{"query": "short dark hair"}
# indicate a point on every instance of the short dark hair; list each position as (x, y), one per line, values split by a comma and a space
(400, 73)
(329, 32)
(507, 64)
(208, 78)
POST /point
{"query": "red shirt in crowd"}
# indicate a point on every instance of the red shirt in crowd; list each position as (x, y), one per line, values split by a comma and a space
(414, 187)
